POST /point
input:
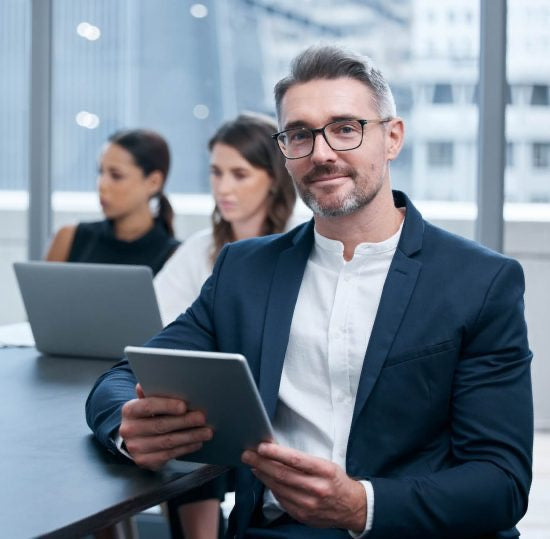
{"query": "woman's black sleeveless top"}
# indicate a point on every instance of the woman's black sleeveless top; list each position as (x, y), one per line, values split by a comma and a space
(96, 242)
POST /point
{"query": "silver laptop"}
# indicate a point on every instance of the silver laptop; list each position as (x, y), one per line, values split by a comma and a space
(88, 310)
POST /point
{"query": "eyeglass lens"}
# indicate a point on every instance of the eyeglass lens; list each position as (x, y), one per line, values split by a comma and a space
(341, 135)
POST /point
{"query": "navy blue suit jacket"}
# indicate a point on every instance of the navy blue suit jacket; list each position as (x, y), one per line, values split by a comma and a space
(443, 421)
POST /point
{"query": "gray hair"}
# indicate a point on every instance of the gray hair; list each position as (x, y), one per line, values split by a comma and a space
(330, 62)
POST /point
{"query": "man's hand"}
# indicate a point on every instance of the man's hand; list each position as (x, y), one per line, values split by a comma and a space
(157, 429)
(312, 490)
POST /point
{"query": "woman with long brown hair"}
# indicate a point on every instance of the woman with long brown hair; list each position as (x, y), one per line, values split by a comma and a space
(254, 196)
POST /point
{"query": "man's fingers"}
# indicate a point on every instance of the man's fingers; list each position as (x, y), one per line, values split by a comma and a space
(139, 391)
(274, 470)
(154, 461)
(295, 459)
(299, 504)
(279, 474)
(160, 424)
(151, 406)
(174, 442)
(288, 489)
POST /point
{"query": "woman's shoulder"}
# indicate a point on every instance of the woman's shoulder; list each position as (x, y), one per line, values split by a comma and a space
(61, 244)
(200, 238)
(92, 225)
(202, 233)
(199, 243)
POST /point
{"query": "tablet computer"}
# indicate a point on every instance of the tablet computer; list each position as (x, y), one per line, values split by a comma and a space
(219, 384)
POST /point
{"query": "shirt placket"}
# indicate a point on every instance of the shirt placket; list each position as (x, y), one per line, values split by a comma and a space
(338, 351)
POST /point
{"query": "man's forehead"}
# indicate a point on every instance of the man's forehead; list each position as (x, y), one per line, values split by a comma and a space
(320, 99)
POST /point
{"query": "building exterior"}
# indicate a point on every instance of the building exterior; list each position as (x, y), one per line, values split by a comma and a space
(184, 67)
(444, 73)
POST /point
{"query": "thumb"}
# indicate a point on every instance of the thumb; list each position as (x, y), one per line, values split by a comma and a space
(139, 391)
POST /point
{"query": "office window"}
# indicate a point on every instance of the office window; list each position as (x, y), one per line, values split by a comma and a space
(440, 154)
(14, 93)
(443, 93)
(112, 71)
(539, 95)
(509, 94)
(216, 59)
(529, 114)
(541, 155)
(14, 146)
(510, 154)
(539, 198)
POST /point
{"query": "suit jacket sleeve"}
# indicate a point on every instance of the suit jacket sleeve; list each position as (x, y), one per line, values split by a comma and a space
(491, 433)
(193, 330)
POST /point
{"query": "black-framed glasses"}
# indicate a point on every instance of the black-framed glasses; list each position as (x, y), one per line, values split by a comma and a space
(341, 136)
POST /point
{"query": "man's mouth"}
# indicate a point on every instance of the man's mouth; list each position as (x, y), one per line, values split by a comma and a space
(322, 174)
(332, 177)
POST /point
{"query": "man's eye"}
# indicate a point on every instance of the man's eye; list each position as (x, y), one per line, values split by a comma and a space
(298, 136)
(346, 129)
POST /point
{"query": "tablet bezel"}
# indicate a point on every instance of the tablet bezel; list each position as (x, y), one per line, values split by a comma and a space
(218, 383)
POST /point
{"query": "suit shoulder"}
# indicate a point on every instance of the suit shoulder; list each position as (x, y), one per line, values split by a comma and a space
(448, 243)
(267, 245)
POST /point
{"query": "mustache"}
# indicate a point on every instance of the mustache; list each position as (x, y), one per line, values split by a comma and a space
(318, 171)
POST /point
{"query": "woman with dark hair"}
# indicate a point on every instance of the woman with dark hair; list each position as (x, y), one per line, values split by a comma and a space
(133, 169)
(254, 196)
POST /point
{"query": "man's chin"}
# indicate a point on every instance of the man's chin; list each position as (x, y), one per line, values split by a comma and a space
(330, 208)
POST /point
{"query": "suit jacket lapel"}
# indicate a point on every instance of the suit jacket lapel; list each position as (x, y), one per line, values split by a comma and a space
(396, 295)
(285, 286)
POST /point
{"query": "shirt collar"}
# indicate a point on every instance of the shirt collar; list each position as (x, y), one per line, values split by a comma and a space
(336, 247)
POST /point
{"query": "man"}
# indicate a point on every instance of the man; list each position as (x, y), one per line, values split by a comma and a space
(392, 356)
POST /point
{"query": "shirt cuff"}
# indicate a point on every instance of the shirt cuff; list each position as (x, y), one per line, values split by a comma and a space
(120, 445)
(369, 491)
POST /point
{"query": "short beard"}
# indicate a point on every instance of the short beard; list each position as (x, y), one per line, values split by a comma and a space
(355, 200)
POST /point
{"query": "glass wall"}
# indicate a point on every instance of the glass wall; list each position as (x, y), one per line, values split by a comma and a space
(129, 64)
(14, 135)
(528, 115)
(183, 67)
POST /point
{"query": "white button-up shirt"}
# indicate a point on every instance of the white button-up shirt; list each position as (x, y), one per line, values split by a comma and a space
(330, 330)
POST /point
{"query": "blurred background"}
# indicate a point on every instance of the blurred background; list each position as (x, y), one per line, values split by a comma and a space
(182, 67)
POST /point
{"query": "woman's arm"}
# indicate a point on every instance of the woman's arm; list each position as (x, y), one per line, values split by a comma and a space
(60, 246)
(179, 282)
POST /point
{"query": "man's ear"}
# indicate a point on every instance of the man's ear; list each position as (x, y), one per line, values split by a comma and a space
(155, 181)
(395, 133)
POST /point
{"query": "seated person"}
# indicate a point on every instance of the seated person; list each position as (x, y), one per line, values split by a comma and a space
(391, 355)
(133, 169)
(254, 196)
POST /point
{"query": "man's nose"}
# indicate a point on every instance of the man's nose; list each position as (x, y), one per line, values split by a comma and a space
(322, 152)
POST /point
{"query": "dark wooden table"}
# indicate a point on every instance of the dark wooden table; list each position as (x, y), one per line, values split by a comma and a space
(55, 479)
